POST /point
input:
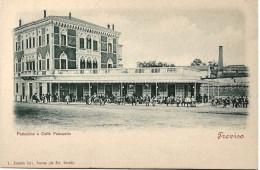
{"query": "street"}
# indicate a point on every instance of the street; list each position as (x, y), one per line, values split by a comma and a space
(32, 116)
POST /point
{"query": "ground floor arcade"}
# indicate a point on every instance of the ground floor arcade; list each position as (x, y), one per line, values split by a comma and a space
(25, 89)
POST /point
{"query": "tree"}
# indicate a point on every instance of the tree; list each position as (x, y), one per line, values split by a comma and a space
(213, 64)
(154, 64)
(197, 62)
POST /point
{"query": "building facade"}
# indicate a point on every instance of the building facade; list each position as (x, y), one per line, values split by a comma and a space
(63, 54)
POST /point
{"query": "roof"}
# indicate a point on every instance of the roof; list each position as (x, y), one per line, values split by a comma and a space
(73, 19)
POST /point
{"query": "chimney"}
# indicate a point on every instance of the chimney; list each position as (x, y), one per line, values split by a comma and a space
(108, 26)
(113, 27)
(70, 15)
(44, 13)
(20, 22)
(220, 59)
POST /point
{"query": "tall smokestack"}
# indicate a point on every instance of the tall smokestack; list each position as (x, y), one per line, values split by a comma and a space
(44, 13)
(220, 59)
(20, 22)
(108, 26)
(70, 15)
(113, 27)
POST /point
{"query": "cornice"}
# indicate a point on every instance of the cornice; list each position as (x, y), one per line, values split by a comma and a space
(65, 23)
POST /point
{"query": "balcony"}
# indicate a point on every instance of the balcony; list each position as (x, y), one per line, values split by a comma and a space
(116, 75)
(180, 71)
(28, 73)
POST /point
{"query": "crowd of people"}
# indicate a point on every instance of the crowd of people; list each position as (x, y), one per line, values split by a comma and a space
(180, 101)
(234, 102)
(46, 98)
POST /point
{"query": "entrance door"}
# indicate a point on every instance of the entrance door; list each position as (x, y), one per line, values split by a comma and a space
(30, 90)
(54, 88)
(108, 90)
(153, 90)
(125, 90)
(23, 90)
(93, 89)
(80, 92)
(171, 90)
(40, 89)
(139, 90)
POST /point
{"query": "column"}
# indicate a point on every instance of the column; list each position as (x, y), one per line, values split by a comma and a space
(156, 90)
(121, 91)
(195, 89)
(97, 89)
(218, 91)
(58, 91)
(112, 89)
(167, 90)
(76, 93)
(51, 92)
(50, 88)
(213, 91)
(89, 90)
(92, 66)
(208, 92)
(175, 88)
(202, 93)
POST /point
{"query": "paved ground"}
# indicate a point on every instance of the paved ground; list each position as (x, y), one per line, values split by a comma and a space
(79, 116)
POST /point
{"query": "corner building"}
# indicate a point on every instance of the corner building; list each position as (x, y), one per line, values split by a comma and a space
(63, 54)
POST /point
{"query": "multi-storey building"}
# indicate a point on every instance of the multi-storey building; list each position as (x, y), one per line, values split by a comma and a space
(63, 54)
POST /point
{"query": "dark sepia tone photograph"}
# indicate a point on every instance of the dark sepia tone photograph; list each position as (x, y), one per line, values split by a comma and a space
(129, 84)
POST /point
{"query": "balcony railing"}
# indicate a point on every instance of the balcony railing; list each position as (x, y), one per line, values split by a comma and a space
(178, 71)
(28, 73)
(125, 71)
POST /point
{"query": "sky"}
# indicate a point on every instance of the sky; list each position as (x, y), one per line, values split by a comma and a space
(165, 32)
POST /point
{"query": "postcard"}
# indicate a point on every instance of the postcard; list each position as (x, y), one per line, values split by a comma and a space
(129, 84)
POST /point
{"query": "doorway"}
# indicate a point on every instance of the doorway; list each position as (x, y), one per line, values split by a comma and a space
(124, 90)
(171, 90)
(80, 92)
(23, 90)
(30, 90)
(153, 90)
(139, 90)
(108, 90)
(93, 89)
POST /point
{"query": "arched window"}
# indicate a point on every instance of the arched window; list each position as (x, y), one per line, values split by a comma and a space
(63, 37)
(33, 63)
(81, 41)
(39, 62)
(110, 42)
(82, 63)
(28, 63)
(23, 61)
(63, 61)
(47, 61)
(95, 64)
(16, 64)
(110, 63)
(88, 42)
(89, 64)
(95, 44)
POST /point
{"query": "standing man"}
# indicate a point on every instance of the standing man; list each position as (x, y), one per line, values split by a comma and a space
(48, 97)
(67, 98)
(147, 100)
(71, 96)
(246, 102)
